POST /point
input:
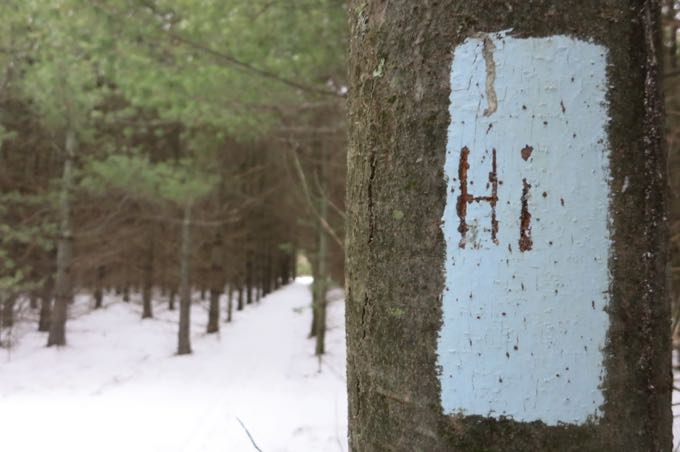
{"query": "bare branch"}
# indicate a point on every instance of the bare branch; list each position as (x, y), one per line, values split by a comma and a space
(248, 433)
(221, 56)
(305, 187)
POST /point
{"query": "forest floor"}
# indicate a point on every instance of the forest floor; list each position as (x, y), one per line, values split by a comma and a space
(118, 386)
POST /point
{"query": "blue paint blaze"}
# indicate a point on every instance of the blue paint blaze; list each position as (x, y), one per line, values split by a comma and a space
(523, 331)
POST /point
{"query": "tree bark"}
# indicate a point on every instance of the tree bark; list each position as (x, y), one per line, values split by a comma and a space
(99, 289)
(239, 305)
(184, 338)
(403, 58)
(257, 277)
(267, 273)
(214, 312)
(315, 294)
(321, 283)
(216, 284)
(171, 299)
(147, 290)
(8, 305)
(249, 279)
(293, 264)
(64, 283)
(285, 270)
(44, 320)
(230, 303)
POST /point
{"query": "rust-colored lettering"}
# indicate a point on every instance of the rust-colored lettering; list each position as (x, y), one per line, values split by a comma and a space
(466, 198)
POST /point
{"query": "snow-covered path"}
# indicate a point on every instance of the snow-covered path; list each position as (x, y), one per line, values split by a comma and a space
(118, 387)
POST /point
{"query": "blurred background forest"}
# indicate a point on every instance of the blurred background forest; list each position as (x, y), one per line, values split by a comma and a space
(160, 146)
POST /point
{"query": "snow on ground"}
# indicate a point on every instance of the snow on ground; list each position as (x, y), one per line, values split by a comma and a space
(118, 386)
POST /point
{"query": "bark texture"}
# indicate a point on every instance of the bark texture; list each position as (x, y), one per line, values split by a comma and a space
(64, 284)
(214, 312)
(171, 299)
(99, 290)
(46, 304)
(315, 294)
(8, 306)
(147, 290)
(321, 282)
(249, 279)
(239, 305)
(230, 303)
(400, 62)
(183, 335)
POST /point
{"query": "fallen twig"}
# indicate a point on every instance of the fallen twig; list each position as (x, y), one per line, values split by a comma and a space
(248, 433)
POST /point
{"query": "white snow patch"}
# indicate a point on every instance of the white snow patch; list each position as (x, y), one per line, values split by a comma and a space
(118, 386)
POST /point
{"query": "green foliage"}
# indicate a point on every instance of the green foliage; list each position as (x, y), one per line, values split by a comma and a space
(178, 183)
(5, 135)
(224, 64)
(287, 247)
(123, 74)
(63, 78)
(21, 239)
(11, 282)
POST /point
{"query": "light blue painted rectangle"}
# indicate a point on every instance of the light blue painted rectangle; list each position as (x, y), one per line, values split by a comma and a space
(527, 276)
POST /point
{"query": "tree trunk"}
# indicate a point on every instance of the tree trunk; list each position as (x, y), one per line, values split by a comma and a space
(259, 291)
(171, 300)
(99, 289)
(45, 319)
(274, 270)
(267, 273)
(321, 284)
(216, 283)
(64, 283)
(257, 278)
(249, 280)
(293, 265)
(258, 272)
(507, 244)
(184, 339)
(8, 304)
(315, 293)
(230, 303)
(147, 290)
(285, 271)
(214, 312)
(239, 305)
